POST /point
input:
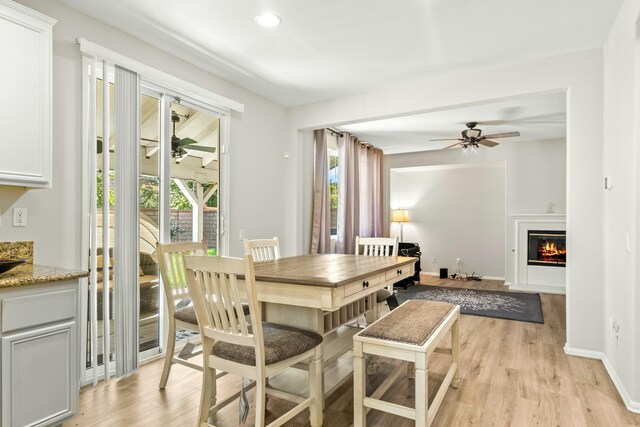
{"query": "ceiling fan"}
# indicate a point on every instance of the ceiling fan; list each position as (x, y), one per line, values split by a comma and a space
(177, 144)
(472, 138)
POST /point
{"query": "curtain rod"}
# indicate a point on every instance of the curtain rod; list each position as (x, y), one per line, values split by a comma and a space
(362, 143)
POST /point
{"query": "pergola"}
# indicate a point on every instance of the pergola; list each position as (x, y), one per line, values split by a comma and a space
(197, 166)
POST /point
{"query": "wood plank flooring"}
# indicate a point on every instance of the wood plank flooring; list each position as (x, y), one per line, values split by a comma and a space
(513, 374)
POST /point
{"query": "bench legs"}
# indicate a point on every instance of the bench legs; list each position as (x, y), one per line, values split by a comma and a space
(422, 390)
(423, 413)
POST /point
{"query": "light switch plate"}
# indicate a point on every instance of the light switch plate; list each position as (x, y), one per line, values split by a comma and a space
(627, 242)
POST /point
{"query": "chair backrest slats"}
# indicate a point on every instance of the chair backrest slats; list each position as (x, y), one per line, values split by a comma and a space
(377, 246)
(172, 270)
(216, 293)
(237, 306)
(262, 249)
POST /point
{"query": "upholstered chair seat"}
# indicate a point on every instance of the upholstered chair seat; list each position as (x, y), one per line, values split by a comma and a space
(281, 342)
(382, 295)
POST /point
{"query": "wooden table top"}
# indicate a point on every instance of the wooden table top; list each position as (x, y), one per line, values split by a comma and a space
(326, 270)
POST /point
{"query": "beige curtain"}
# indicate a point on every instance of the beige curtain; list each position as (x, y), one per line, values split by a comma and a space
(348, 193)
(370, 191)
(359, 193)
(321, 232)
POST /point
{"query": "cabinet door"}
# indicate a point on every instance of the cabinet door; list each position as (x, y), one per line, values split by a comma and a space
(25, 84)
(39, 376)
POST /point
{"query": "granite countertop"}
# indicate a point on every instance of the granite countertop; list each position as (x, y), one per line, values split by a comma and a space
(31, 274)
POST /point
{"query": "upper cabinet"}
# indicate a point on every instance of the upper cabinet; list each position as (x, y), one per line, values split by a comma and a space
(25, 84)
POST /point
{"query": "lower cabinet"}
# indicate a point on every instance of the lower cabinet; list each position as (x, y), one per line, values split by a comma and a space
(39, 363)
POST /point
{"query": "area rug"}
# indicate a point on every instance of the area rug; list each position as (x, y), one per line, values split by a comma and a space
(524, 307)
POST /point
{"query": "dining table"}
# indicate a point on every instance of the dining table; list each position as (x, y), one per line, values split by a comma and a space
(327, 294)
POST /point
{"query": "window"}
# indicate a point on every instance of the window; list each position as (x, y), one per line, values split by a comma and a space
(334, 174)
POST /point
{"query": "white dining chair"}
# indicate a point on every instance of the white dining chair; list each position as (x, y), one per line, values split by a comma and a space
(378, 246)
(255, 350)
(181, 311)
(262, 249)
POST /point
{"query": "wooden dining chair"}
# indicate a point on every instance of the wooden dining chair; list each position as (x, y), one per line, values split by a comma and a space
(181, 311)
(378, 246)
(255, 350)
(262, 249)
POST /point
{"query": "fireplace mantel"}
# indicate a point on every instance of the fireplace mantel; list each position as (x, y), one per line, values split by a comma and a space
(552, 216)
(536, 278)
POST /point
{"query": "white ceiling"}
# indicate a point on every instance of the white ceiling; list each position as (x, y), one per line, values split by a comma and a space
(330, 48)
(540, 117)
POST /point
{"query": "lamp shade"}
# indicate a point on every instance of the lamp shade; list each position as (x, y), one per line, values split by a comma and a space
(399, 215)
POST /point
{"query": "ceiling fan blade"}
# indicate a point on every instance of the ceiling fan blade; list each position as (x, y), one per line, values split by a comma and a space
(487, 143)
(202, 148)
(447, 139)
(453, 145)
(502, 135)
(187, 141)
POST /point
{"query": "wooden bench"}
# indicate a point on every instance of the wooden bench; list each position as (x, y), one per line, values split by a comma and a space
(411, 333)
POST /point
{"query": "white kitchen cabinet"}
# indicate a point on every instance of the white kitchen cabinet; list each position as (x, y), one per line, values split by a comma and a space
(40, 354)
(25, 84)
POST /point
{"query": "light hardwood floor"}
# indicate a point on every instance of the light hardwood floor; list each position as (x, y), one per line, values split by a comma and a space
(513, 374)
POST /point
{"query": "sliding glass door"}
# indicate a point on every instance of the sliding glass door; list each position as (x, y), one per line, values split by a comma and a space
(177, 192)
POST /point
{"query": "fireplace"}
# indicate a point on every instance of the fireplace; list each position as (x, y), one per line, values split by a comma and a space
(547, 248)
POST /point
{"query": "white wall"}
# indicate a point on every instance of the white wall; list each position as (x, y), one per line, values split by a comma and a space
(257, 145)
(580, 75)
(621, 204)
(535, 175)
(456, 211)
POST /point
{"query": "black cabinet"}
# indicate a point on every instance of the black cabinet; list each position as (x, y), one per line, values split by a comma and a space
(412, 250)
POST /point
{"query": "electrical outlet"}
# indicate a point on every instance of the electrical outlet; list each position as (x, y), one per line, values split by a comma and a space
(434, 260)
(241, 234)
(615, 327)
(19, 217)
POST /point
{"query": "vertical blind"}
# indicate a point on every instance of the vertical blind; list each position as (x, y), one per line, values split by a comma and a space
(126, 241)
(125, 219)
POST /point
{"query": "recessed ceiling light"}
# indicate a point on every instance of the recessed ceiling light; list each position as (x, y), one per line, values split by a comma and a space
(268, 19)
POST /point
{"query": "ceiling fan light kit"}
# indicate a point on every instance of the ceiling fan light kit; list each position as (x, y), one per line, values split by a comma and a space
(472, 138)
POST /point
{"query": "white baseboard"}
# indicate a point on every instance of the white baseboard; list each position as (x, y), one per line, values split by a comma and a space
(430, 273)
(433, 273)
(493, 278)
(589, 354)
(538, 288)
(628, 403)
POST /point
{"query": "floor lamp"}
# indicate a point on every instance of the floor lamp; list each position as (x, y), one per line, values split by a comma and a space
(401, 216)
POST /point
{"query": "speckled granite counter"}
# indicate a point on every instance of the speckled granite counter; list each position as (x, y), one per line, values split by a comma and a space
(30, 274)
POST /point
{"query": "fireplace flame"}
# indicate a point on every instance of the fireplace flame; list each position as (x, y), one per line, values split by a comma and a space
(549, 250)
